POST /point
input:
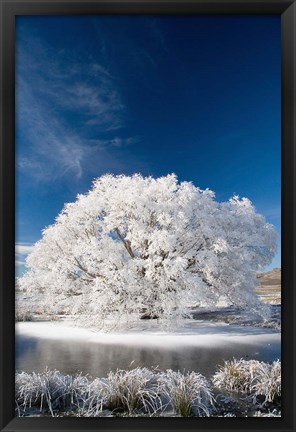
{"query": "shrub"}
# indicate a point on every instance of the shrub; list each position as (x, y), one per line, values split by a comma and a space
(23, 316)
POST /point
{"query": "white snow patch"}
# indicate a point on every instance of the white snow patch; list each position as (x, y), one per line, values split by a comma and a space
(196, 333)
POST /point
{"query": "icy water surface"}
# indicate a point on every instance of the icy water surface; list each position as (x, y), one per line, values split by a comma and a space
(200, 346)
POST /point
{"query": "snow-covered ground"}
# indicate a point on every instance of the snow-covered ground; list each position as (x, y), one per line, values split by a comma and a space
(194, 333)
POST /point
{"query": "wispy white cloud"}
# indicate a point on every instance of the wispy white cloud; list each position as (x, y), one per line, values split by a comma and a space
(96, 100)
(116, 142)
(87, 88)
(58, 110)
(54, 151)
(57, 151)
(23, 248)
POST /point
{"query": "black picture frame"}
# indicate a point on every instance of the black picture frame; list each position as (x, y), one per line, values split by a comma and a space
(9, 9)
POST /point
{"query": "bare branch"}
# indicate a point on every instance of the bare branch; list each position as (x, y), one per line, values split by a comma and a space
(126, 243)
(91, 275)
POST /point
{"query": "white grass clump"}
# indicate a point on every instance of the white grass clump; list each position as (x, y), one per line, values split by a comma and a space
(268, 382)
(273, 413)
(136, 389)
(236, 375)
(144, 392)
(188, 394)
(121, 391)
(257, 379)
(92, 401)
(48, 390)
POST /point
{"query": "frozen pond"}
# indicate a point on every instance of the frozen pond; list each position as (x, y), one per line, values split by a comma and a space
(199, 346)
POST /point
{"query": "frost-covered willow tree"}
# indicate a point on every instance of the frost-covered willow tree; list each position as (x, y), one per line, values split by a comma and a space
(135, 245)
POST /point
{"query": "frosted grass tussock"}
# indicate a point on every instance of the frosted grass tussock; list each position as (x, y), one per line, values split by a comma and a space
(139, 391)
(92, 401)
(268, 382)
(188, 394)
(48, 390)
(122, 391)
(144, 392)
(127, 391)
(132, 390)
(273, 413)
(236, 375)
(258, 379)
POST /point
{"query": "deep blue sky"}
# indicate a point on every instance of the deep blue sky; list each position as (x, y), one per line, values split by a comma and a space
(197, 96)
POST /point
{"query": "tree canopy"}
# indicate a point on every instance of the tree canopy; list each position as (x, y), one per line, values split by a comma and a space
(135, 245)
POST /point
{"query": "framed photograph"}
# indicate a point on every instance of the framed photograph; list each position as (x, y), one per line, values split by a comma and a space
(147, 215)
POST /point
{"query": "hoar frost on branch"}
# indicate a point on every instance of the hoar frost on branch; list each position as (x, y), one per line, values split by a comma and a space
(134, 244)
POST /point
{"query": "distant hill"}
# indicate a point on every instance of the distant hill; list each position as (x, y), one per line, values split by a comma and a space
(270, 286)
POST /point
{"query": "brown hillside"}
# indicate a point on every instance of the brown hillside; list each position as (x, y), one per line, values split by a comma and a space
(270, 286)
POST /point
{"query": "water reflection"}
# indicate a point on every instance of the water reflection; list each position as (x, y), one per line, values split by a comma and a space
(96, 359)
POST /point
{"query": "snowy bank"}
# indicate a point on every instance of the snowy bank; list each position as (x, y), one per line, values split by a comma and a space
(194, 333)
